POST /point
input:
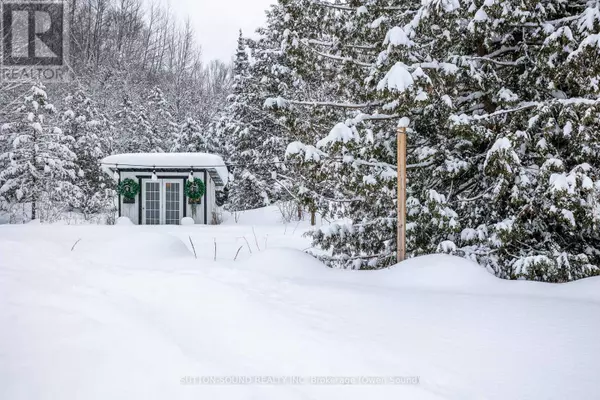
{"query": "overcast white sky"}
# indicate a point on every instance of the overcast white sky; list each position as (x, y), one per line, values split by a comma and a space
(217, 22)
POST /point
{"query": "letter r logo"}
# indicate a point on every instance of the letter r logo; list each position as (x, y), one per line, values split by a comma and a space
(33, 33)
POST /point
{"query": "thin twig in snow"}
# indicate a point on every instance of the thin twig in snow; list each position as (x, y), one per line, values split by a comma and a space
(193, 247)
(73, 248)
(247, 244)
(215, 239)
(236, 254)
(255, 239)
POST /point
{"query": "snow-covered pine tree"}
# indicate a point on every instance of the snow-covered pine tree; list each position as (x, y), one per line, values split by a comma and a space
(139, 123)
(150, 141)
(92, 142)
(126, 118)
(191, 139)
(164, 128)
(301, 175)
(508, 164)
(251, 132)
(349, 155)
(39, 168)
(503, 101)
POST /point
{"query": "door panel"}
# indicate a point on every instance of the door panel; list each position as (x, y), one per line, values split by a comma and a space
(173, 202)
(152, 209)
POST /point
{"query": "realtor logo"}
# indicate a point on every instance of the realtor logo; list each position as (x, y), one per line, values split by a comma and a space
(34, 40)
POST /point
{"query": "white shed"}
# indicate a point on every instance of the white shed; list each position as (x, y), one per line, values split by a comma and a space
(162, 179)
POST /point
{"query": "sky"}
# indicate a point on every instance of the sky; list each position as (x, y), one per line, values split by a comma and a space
(217, 22)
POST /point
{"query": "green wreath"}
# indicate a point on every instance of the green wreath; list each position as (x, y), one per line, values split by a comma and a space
(195, 189)
(128, 188)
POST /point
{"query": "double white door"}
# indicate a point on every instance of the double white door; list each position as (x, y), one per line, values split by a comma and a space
(162, 202)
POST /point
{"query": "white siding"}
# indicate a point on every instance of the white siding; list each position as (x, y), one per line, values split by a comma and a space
(130, 210)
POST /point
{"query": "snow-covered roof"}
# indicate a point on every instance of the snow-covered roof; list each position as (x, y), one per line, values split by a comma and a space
(211, 162)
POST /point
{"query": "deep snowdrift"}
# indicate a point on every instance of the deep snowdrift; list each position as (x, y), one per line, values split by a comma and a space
(139, 246)
(130, 312)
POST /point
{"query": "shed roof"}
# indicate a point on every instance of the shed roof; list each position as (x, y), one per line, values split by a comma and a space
(213, 163)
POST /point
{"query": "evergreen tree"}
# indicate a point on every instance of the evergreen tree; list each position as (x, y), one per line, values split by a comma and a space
(127, 127)
(502, 99)
(518, 158)
(191, 139)
(347, 160)
(92, 142)
(163, 129)
(253, 136)
(39, 168)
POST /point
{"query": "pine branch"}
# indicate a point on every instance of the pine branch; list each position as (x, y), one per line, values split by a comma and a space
(350, 46)
(337, 58)
(348, 8)
(332, 104)
(529, 105)
(505, 63)
(501, 51)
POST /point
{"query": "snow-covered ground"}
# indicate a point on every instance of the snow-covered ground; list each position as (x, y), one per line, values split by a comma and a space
(130, 312)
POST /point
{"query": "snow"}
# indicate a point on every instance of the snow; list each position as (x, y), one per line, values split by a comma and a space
(568, 129)
(130, 313)
(377, 23)
(507, 95)
(310, 152)
(480, 15)
(340, 133)
(168, 160)
(124, 221)
(568, 215)
(187, 221)
(404, 122)
(143, 245)
(362, 10)
(589, 41)
(397, 79)
(589, 18)
(501, 144)
(277, 102)
(447, 246)
(587, 183)
(397, 37)
(563, 183)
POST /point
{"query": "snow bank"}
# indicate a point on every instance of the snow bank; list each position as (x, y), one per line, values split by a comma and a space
(432, 273)
(585, 289)
(437, 271)
(168, 160)
(267, 216)
(287, 263)
(86, 325)
(132, 246)
(124, 221)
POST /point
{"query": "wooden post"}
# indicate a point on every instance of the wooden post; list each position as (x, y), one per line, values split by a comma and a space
(401, 194)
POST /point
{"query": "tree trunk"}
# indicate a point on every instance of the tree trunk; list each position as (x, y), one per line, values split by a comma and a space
(313, 218)
(33, 210)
